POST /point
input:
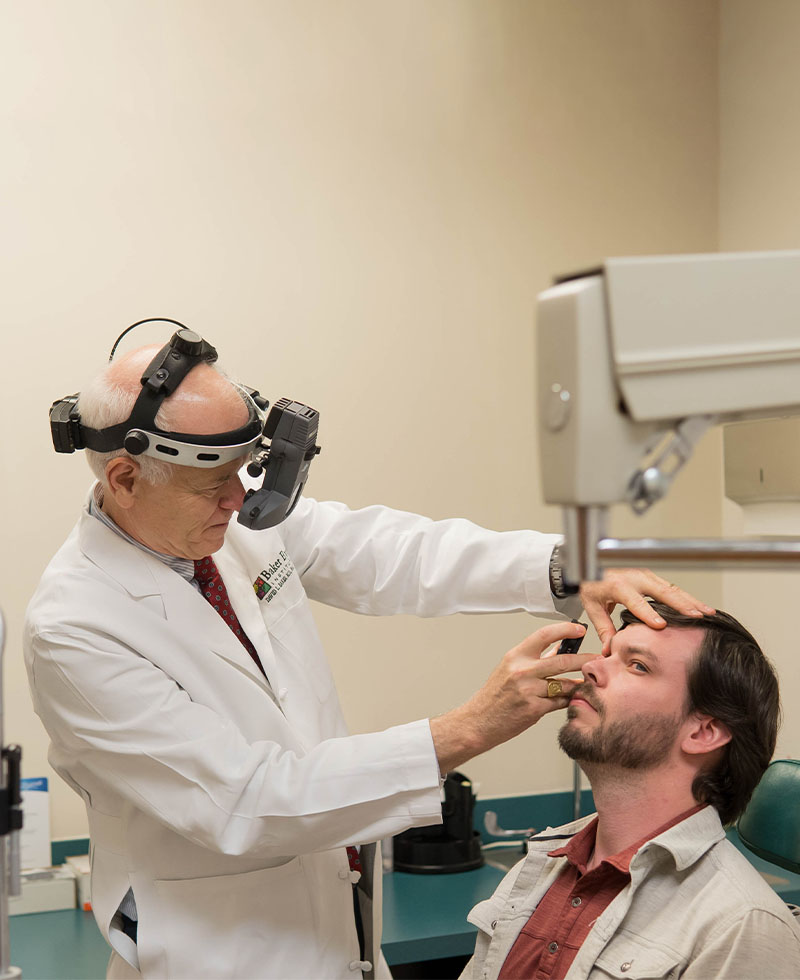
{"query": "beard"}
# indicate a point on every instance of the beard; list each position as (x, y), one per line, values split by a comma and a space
(640, 741)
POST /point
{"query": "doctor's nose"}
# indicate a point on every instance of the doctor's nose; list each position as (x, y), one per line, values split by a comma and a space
(233, 497)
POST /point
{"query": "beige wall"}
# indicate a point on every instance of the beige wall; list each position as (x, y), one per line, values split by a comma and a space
(760, 209)
(357, 203)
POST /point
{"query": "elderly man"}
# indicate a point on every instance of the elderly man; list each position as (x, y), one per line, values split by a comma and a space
(190, 704)
(674, 730)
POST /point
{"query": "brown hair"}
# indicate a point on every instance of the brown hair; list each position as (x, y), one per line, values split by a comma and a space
(733, 681)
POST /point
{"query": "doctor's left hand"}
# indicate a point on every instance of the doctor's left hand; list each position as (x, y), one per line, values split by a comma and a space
(630, 587)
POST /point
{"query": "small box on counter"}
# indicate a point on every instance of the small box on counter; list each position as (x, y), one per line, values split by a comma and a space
(44, 890)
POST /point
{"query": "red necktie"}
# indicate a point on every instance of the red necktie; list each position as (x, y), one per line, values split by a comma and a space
(207, 576)
(213, 589)
(354, 859)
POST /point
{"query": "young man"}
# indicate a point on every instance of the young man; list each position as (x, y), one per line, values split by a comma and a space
(673, 729)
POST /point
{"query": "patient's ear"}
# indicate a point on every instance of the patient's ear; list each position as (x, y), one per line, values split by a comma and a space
(704, 734)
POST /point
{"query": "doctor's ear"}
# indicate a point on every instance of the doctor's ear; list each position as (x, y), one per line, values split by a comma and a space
(704, 734)
(122, 475)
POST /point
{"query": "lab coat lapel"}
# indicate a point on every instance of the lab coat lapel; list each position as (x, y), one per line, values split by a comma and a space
(243, 599)
(184, 604)
(127, 565)
(143, 575)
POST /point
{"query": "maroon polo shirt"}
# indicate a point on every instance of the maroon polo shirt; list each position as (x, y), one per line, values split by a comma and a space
(551, 938)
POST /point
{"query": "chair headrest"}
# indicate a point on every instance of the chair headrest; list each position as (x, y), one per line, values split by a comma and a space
(770, 826)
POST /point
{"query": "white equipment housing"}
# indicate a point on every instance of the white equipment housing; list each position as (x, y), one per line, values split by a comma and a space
(636, 360)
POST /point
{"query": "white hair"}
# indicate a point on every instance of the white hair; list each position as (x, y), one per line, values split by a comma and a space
(107, 401)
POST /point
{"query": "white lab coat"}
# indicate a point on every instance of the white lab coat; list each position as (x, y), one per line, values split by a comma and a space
(226, 805)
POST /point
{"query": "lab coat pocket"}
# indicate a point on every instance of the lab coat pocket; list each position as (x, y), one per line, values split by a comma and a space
(626, 958)
(254, 924)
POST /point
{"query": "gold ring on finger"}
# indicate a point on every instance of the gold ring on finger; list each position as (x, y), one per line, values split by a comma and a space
(555, 689)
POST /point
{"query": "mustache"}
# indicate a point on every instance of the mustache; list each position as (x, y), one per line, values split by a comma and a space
(586, 692)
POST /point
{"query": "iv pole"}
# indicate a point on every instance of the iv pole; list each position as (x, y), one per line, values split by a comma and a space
(10, 827)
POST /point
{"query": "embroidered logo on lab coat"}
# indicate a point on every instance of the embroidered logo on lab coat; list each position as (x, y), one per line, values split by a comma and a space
(273, 578)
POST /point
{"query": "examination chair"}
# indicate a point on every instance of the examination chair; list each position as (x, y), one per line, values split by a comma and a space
(770, 826)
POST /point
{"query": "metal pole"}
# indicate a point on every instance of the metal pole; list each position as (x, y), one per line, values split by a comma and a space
(7, 972)
(712, 553)
(576, 791)
(582, 527)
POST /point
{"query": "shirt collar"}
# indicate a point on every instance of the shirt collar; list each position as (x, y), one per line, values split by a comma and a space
(579, 848)
(183, 566)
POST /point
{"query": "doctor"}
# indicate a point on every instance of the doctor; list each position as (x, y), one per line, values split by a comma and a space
(190, 704)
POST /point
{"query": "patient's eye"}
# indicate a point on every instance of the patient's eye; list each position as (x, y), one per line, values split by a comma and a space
(639, 666)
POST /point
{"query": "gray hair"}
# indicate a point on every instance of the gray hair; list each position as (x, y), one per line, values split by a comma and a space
(104, 402)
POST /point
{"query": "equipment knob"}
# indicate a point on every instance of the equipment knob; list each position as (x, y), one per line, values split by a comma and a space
(557, 407)
(187, 342)
(136, 442)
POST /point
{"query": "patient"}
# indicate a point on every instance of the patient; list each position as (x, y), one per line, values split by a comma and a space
(674, 729)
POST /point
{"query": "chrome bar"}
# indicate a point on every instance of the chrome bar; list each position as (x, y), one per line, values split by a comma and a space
(711, 553)
(14, 865)
(4, 938)
(7, 972)
(576, 791)
(584, 527)
(5, 942)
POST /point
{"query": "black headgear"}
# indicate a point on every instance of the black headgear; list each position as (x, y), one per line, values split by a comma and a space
(282, 447)
(139, 434)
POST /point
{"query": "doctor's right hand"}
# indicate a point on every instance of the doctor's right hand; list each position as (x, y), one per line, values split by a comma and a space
(517, 694)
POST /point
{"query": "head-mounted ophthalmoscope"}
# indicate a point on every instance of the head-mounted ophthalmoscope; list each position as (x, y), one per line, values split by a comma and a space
(281, 444)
